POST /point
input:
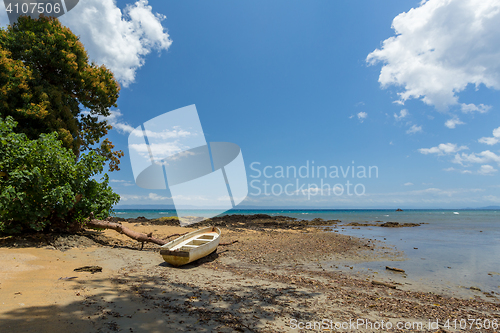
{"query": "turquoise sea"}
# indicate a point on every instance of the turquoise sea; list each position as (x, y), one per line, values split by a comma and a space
(453, 249)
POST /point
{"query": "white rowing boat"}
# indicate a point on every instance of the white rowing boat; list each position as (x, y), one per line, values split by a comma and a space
(192, 246)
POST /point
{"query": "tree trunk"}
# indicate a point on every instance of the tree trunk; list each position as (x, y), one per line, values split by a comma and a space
(138, 236)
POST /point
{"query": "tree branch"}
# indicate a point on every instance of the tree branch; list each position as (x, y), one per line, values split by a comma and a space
(138, 236)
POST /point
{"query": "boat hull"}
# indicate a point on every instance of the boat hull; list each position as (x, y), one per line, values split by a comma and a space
(191, 247)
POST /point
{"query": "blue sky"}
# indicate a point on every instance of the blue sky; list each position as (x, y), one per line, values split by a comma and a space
(407, 86)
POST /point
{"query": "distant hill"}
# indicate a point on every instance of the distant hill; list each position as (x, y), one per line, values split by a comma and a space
(144, 207)
(170, 207)
(487, 207)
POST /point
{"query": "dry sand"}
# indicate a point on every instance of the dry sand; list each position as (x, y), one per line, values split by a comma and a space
(259, 284)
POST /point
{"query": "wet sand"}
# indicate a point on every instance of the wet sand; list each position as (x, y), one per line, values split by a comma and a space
(274, 274)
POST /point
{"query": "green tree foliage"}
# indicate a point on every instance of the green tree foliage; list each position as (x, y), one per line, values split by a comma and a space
(43, 187)
(47, 85)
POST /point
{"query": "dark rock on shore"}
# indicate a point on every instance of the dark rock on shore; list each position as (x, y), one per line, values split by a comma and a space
(255, 221)
(131, 220)
(398, 225)
(385, 225)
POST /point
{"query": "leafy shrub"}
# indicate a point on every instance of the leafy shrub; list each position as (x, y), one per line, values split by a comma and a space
(44, 188)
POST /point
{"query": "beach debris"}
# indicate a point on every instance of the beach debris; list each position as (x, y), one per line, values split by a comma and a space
(230, 243)
(91, 269)
(415, 248)
(68, 278)
(493, 273)
(395, 269)
(475, 288)
(389, 224)
(178, 235)
(18, 293)
(385, 284)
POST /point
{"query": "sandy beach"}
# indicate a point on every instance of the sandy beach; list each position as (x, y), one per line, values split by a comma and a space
(281, 276)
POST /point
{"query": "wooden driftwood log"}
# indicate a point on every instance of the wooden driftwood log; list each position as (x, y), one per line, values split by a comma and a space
(138, 236)
(395, 269)
(385, 284)
(91, 269)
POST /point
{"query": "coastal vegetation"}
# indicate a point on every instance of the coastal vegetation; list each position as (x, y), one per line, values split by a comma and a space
(44, 188)
(53, 149)
(53, 127)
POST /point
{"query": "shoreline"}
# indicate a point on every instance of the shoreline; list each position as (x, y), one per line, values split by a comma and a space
(278, 271)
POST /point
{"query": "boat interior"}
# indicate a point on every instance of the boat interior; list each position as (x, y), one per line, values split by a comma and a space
(195, 242)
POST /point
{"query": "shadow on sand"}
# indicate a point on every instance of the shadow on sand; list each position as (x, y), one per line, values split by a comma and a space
(138, 301)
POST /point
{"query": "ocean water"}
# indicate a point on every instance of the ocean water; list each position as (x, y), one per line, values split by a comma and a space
(452, 249)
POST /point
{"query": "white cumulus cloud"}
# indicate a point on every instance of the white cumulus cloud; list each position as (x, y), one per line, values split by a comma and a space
(126, 197)
(487, 170)
(457, 170)
(414, 129)
(156, 197)
(439, 48)
(442, 149)
(118, 39)
(114, 120)
(471, 108)
(402, 114)
(122, 182)
(160, 151)
(482, 157)
(362, 116)
(491, 140)
(453, 122)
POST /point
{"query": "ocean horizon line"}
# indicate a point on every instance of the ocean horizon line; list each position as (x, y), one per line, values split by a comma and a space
(145, 208)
